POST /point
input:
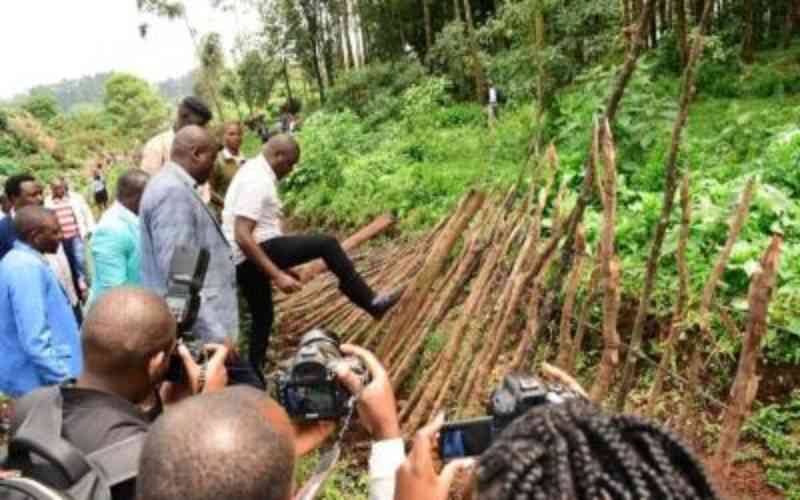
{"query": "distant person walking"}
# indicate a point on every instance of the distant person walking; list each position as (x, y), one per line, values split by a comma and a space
(99, 189)
(494, 101)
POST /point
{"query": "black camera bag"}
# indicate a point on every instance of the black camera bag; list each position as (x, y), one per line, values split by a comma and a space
(52, 468)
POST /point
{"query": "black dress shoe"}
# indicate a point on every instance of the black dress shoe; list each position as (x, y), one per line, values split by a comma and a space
(381, 304)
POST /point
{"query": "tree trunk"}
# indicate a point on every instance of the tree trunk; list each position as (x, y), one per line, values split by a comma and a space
(627, 15)
(792, 14)
(682, 31)
(748, 37)
(426, 14)
(477, 70)
(745, 385)
(681, 304)
(286, 79)
(653, 28)
(456, 10)
(662, 18)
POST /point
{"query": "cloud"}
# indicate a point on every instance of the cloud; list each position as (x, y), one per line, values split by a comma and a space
(46, 41)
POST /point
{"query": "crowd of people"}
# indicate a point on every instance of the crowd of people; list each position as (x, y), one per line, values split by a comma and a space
(216, 433)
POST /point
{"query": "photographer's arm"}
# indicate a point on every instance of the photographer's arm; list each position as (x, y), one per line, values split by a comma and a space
(243, 232)
(216, 376)
(417, 478)
(377, 410)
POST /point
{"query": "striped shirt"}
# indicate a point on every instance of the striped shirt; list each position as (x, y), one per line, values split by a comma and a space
(66, 217)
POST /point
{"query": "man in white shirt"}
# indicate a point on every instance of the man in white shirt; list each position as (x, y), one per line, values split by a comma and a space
(262, 254)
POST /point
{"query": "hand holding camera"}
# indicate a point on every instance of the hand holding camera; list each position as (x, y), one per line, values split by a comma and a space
(201, 372)
(321, 379)
(376, 405)
(417, 478)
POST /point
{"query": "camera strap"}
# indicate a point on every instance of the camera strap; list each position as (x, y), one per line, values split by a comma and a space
(328, 459)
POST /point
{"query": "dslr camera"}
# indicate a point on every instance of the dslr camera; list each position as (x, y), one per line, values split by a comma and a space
(306, 385)
(516, 395)
(187, 273)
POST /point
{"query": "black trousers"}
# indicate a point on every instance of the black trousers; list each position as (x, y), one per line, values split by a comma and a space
(287, 252)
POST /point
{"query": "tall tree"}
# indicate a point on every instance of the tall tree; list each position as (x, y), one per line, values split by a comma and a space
(477, 69)
(426, 14)
(681, 30)
(748, 37)
(792, 16)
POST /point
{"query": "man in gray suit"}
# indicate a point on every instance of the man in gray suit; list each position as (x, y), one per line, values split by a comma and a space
(173, 214)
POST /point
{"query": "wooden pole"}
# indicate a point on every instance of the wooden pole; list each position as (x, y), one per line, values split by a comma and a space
(745, 385)
(671, 185)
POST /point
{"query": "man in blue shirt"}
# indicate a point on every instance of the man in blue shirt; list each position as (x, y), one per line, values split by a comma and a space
(39, 335)
(115, 246)
(22, 190)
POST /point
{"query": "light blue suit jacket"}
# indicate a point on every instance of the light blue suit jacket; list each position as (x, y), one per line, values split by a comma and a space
(116, 253)
(172, 214)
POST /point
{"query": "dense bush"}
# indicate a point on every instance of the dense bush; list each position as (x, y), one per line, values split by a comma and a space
(367, 90)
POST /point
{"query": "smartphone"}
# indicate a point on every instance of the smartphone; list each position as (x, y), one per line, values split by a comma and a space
(465, 438)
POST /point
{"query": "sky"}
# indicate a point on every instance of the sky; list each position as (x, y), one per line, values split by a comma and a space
(45, 41)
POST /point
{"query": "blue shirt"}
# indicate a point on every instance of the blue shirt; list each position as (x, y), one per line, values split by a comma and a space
(116, 251)
(39, 338)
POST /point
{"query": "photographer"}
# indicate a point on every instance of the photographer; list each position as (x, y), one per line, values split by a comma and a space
(241, 444)
(570, 451)
(128, 340)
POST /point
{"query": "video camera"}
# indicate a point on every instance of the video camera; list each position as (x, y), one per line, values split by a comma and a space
(307, 386)
(187, 273)
(516, 395)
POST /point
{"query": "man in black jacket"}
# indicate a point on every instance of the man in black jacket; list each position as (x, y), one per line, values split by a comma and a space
(127, 341)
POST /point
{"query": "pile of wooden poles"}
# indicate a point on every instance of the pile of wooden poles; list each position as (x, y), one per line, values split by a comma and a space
(476, 287)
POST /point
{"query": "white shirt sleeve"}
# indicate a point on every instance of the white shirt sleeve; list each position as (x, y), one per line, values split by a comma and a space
(384, 460)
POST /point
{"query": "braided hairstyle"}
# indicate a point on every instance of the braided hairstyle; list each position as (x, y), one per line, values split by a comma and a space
(572, 451)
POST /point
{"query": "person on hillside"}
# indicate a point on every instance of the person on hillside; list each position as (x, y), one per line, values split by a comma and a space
(38, 330)
(77, 223)
(156, 153)
(99, 188)
(494, 102)
(252, 221)
(172, 215)
(127, 345)
(115, 246)
(232, 159)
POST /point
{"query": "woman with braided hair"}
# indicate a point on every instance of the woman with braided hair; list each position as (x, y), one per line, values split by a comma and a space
(568, 451)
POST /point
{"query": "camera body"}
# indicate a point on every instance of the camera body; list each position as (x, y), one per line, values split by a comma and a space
(307, 386)
(187, 273)
(515, 396)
